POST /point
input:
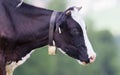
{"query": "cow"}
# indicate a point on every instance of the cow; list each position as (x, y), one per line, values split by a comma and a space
(24, 27)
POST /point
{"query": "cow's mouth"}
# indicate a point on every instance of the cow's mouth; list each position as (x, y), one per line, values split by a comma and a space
(90, 60)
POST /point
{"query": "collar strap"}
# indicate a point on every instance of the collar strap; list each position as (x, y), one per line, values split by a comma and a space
(52, 27)
(51, 43)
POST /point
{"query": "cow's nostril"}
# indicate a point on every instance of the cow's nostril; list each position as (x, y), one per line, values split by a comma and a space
(92, 59)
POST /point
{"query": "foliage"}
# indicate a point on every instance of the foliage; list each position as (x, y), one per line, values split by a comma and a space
(57, 5)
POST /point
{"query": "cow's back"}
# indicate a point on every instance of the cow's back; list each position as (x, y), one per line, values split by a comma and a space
(13, 3)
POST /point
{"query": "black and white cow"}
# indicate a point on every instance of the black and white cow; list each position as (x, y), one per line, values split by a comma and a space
(24, 28)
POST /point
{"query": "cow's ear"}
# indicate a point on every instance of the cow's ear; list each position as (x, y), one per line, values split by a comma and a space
(68, 11)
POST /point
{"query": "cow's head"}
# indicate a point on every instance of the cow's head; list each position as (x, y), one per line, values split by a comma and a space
(71, 37)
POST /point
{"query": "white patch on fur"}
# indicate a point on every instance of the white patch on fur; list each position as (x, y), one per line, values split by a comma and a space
(77, 17)
(62, 51)
(20, 3)
(60, 31)
(11, 67)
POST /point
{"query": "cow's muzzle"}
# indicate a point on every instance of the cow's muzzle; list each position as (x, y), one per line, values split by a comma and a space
(90, 60)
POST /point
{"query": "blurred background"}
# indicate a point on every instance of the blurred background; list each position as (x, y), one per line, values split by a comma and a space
(103, 20)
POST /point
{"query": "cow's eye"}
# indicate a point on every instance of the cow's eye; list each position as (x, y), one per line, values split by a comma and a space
(74, 31)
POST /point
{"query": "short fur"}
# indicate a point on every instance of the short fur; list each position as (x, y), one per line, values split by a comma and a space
(26, 27)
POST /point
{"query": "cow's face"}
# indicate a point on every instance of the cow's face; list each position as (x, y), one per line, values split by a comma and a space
(72, 38)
